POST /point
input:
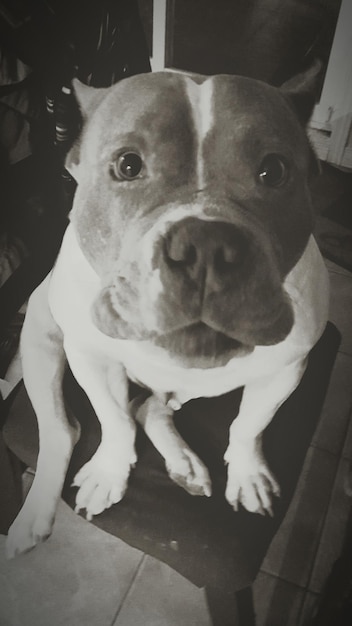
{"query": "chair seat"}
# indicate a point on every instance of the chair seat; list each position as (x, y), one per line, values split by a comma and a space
(202, 538)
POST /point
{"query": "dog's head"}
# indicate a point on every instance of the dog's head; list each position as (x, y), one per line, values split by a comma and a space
(193, 206)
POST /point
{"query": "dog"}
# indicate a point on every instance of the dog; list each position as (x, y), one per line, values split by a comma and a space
(188, 266)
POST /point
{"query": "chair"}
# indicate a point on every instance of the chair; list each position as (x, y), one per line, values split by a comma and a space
(201, 538)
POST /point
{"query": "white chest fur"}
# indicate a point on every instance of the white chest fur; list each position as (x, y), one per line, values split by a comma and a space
(74, 286)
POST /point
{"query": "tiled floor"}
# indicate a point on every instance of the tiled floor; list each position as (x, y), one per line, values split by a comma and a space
(83, 577)
(311, 536)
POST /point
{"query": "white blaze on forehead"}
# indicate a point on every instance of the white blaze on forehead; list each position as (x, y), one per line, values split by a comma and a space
(201, 98)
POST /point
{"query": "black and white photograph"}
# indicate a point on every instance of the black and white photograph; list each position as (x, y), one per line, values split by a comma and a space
(176, 313)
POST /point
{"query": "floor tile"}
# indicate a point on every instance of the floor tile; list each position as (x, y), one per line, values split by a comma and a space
(332, 428)
(333, 532)
(160, 596)
(78, 577)
(341, 307)
(292, 552)
(277, 602)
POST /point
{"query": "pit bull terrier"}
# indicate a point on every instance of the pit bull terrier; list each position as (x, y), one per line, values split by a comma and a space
(189, 266)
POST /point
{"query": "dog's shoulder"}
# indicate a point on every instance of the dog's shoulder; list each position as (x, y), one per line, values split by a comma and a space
(307, 285)
(73, 286)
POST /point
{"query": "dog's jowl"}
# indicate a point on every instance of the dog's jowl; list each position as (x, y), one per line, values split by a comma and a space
(188, 266)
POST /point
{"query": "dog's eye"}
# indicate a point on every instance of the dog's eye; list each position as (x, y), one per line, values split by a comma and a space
(273, 171)
(127, 166)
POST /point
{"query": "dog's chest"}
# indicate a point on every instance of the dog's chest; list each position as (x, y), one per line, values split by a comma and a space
(144, 363)
(153, 368)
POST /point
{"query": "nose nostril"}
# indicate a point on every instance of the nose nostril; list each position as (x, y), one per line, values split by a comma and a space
(230, 255)
(226, 257)
(181, 252)
(191, 255)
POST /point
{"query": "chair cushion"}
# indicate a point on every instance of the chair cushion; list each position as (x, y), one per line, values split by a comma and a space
(202, 538)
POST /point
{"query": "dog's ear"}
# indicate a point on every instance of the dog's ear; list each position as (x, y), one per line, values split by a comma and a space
(88, 99)
(302, 90)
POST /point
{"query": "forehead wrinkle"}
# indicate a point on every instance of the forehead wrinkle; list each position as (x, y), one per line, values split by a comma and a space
(201, 98)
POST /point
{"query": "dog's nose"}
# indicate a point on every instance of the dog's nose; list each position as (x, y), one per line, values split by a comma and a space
(207, 252)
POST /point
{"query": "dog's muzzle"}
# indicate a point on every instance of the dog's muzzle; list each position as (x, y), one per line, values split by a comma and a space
(220, 295)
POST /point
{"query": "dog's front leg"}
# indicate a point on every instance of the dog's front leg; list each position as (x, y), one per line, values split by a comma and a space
(250, 482)
(102, 481)
(43, 363)
(183, 465)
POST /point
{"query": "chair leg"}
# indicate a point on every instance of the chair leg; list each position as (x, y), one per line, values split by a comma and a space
(245, 606)
(222, 607)
(231, 609)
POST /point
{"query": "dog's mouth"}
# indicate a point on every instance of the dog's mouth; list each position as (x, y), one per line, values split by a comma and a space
(200, 346)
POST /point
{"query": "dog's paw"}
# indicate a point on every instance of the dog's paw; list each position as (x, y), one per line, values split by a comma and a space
(249, 481)
(190, 473)
(102, 482)
(29, 528)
